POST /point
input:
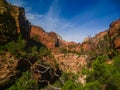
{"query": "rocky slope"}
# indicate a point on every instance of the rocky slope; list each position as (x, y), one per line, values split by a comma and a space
(8, 65)
(42, 36)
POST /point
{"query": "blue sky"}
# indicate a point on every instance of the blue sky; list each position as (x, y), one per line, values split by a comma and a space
(72, 19)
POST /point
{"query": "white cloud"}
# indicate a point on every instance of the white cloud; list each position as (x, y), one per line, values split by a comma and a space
(34, 16)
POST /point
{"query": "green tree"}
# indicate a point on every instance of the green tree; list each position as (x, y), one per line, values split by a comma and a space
(16, 48)
(25, 82)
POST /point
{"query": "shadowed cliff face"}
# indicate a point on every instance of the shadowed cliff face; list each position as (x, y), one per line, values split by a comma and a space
(7, 33)
(13, 22)
(24, 24)
(8, 29)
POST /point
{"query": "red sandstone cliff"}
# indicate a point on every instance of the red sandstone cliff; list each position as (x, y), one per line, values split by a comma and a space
(50, 39)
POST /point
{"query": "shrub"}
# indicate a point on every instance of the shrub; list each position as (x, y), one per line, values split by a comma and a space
(25, 82)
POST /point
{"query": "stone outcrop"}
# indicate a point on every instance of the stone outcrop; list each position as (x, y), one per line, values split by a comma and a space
(13, 22)
(8, 66)
(114, 34)
(23, 25)
(71, 62)
(37, 33)
(49, 39)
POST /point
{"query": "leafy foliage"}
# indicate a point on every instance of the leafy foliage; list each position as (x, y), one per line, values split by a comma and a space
(24, 83)
(104, 75)
(67, 81)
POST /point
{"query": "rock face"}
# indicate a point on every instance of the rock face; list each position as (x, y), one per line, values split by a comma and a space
(8, 66)
(71, 62)
(13, 23)
(40, 35)
(49, 39)
(5, 22)
(23, 25)
(114, 34)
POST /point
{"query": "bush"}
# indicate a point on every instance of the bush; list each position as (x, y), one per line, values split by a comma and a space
(71, 85)
(24, 83)
(104, 75)
(95, 85)
(16, 48)
(44, 51)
